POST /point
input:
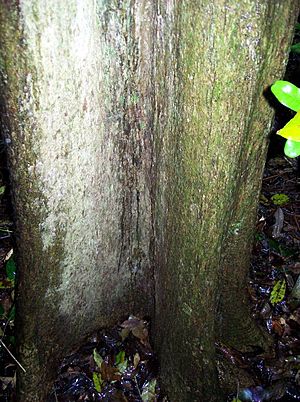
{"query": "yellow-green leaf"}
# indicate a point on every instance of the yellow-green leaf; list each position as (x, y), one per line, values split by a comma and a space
(236, 400)
(136, 360)
(280, 199)
(97, 380)
(7, 284)
(278, 292)
(291, 130)
(98, 359)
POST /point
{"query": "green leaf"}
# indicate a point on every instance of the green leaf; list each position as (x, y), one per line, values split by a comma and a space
(259, 236)
(12, 340)
(121, 362)
(280, 249)
(278, 292)
(97, 380)
(148, 393)
(295, 48)
(122, 366)
(98, 359)
(120, 357)
(280, 199)
(2, 190)
(236, 400)
(292, 148)
(11, 268)
(287, 94)
(297, 26)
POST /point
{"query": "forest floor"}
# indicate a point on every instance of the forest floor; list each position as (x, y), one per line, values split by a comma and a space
(118, 364)
(274, 288)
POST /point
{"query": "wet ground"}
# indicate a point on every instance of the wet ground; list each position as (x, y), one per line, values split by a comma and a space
(7, 279)
(274, 287)
(116, 364)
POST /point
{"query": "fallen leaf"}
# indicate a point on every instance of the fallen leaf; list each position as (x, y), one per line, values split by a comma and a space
(136, 360)
(148, 393)
(279, 219)
(137, 327)
(98, 359)
(97, 380)
(278, 292)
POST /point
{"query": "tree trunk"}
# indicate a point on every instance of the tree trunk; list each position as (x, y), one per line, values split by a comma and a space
(276, 26)
(137, 132)
(212, 148)
(78, 97)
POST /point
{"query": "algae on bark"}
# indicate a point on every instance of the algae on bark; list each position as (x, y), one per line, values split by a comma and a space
(213, 150)
(77, 94)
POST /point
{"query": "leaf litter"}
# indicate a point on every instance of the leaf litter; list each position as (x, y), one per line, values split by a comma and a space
(8, 364)
(115, 364)
(274, 288)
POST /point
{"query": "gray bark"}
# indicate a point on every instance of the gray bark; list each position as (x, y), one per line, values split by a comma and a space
(78, 99)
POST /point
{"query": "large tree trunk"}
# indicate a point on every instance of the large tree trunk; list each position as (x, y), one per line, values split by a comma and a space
(212, 146)
(137, 133)
(77, 85)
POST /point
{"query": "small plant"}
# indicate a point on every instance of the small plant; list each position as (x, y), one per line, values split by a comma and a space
(280, 199)
(289, 95)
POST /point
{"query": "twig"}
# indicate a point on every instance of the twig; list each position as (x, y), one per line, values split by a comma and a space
(9, 352)
(271, 177)
(296, 221)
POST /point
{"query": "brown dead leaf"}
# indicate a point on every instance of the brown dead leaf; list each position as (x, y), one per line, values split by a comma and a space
(109, 373)
(277, 327)
(137, 327)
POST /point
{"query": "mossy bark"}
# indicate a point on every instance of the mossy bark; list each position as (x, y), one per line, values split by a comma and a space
(235, 325)
(212, 147)
(76, 83)
(137, 132)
